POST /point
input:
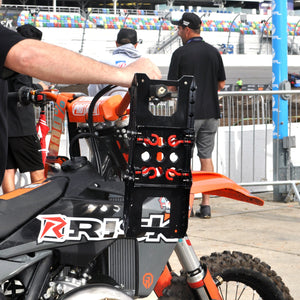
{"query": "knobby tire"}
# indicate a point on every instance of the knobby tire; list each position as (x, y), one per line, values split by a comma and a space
(234, 267)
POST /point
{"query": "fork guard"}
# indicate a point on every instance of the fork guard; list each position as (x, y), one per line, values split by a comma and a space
(217, 184)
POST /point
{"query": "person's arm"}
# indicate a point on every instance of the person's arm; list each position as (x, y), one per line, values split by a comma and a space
(59, 65)
(221, 85)
(221, 73)
(173, 73)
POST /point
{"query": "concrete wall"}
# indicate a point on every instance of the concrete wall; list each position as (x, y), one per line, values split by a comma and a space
(100, 41)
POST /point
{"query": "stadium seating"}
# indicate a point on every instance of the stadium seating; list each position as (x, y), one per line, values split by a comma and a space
(143, 21)
(45, 19)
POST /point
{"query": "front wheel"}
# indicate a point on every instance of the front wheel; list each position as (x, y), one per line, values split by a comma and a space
(244, 277)
(241, 276)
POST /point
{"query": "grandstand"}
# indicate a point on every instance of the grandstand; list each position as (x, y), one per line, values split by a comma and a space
(153, 4)
(144, 5)
(92, 31)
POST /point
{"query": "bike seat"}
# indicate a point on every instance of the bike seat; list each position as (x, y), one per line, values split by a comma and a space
(21, 205)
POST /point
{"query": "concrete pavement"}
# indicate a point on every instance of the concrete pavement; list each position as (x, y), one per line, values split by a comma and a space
(270, 232)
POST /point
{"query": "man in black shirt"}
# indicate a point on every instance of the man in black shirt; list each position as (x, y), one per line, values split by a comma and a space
(58, 65)
(204, 62)
(24, 148)
(7, 41)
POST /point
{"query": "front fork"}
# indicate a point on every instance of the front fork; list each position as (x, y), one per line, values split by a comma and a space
(198, 277)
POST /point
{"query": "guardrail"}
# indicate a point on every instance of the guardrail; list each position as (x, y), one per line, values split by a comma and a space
(244, 141)
(38, 8)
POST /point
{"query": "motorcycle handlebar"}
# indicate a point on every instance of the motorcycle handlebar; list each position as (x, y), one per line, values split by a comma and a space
(28, 95)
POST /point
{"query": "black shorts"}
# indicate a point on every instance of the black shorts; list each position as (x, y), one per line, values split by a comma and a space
(24, 153)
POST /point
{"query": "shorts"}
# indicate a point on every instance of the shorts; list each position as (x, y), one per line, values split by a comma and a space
(205, 131)
(24, 153)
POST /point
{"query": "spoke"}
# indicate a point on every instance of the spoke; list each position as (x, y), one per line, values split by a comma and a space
(221, 292)
(242, 292)
(236, 291)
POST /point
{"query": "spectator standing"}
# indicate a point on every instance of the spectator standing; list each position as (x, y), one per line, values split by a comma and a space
(239, 84)
(123, 55)
(204, 62)
(24, 149)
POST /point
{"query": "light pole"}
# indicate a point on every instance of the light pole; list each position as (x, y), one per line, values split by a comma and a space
(125, 20)
(161, 19)
(262, 34)
(295, 29)
(207, 14)
(239, 14)
(34, 12)
(87, 14)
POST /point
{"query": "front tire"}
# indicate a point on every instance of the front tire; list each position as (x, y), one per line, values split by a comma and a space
(242, 277)
(245, 277)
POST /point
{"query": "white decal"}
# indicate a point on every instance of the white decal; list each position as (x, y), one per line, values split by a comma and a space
(59, 228)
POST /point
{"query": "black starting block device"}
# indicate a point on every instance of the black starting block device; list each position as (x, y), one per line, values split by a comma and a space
(161, 132)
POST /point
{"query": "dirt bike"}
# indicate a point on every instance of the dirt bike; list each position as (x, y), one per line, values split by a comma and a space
(105, 228)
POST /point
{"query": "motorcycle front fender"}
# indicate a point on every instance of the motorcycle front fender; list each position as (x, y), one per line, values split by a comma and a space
(96, 292)
(217, 184)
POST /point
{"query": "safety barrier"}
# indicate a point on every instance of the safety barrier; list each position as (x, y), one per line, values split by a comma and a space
(244, 141)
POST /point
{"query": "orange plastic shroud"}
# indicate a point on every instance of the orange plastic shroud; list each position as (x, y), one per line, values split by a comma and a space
(217, 184)
(106, 109)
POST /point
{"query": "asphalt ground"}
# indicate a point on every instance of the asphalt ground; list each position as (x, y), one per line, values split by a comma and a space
(270, 232)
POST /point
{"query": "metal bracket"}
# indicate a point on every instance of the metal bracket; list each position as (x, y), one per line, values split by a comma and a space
(285, 85)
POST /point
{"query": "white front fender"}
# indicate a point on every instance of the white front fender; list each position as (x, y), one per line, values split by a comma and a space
(96, 292)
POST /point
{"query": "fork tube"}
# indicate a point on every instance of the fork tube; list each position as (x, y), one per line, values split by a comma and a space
(195, 272)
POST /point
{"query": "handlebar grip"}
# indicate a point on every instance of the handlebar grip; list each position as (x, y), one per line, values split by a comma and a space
(28, 95)
(25, 97)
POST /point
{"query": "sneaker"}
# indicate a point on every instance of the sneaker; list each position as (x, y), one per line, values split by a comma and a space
(204, 212)
(192, 214)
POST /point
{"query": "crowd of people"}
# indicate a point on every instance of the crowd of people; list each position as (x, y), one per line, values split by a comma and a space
(23, 56)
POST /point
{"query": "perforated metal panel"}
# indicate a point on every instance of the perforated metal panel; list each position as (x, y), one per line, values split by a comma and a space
(159, 157)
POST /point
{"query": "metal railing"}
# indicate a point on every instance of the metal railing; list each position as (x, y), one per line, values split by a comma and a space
(244, 141)
(20, 7)
(78, 10)
(244, 147)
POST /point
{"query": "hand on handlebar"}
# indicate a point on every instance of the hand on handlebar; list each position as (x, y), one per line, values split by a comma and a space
(28, 95)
